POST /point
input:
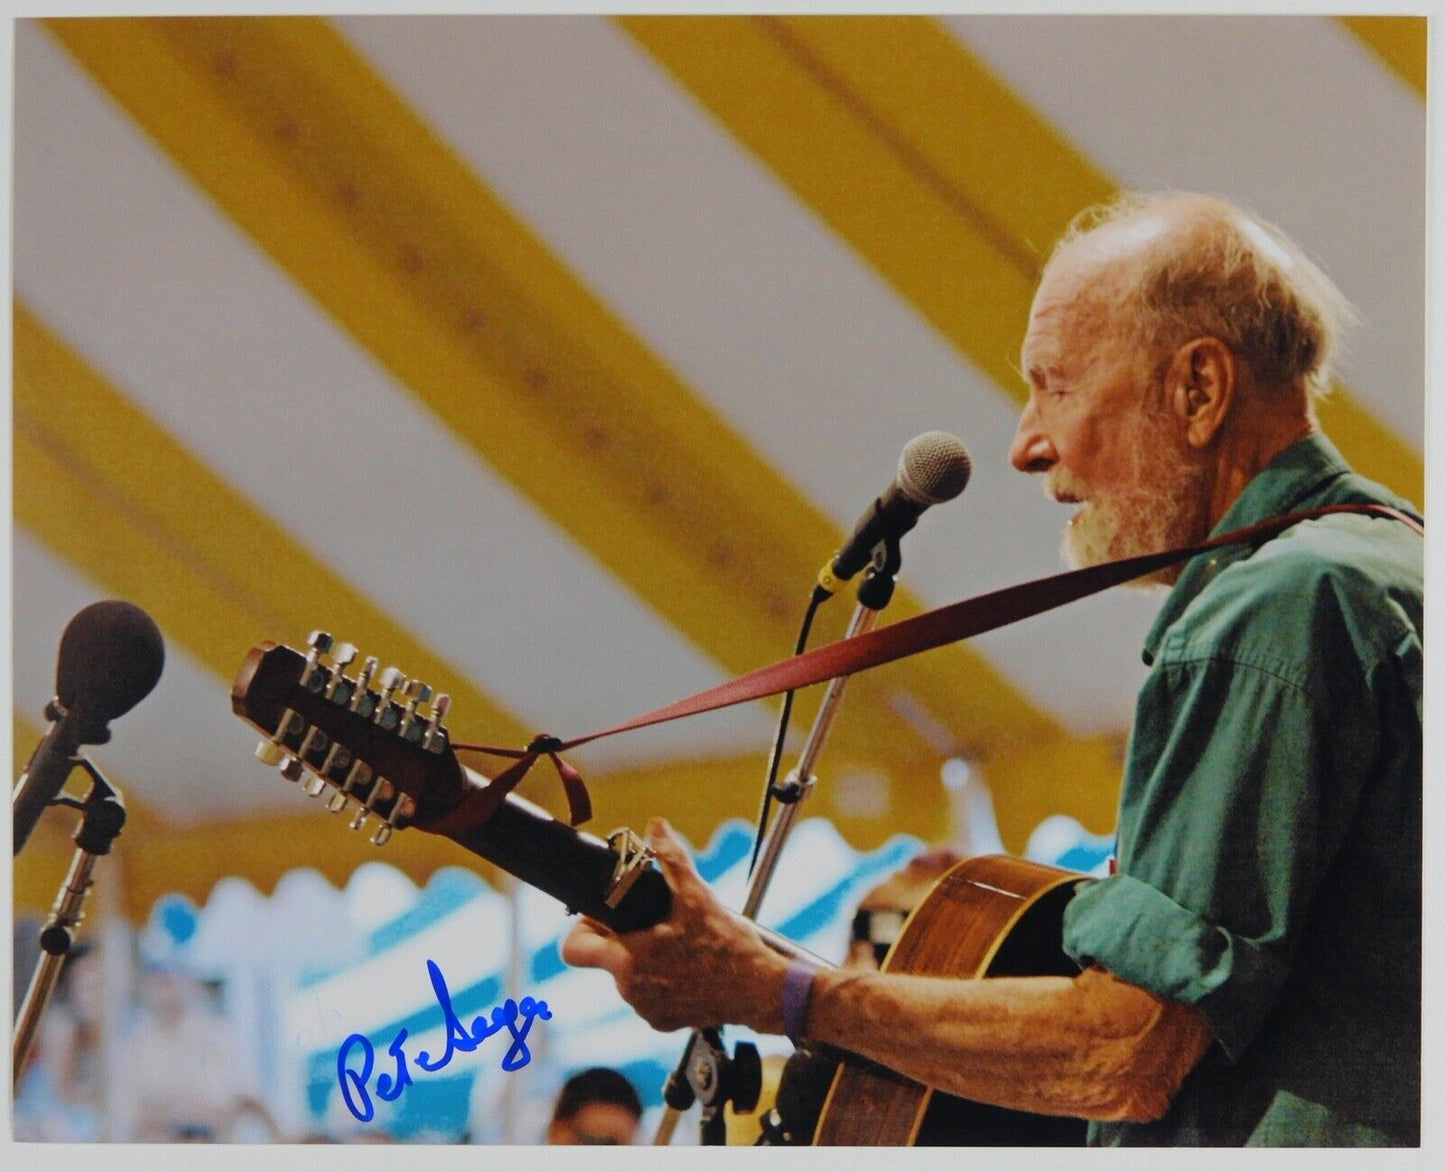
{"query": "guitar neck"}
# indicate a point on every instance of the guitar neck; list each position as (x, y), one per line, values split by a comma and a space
(576, 868)
(571, 866)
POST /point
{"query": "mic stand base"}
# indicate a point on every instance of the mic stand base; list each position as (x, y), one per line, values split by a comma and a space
(102, 816)
(707, 1075)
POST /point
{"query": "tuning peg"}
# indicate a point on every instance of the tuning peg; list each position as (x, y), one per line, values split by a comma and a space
(341, 659)
(434, 725)
(363, 703)
(368, 669)
(337, 758)
(314, 742)
(336, 803)
(381, 795)
(387, 713)
(400, 815)
(359, 820)
(320, 643)
(270, 751)
(314, 786)
(358, 781)
(291, 769)
(416, 693)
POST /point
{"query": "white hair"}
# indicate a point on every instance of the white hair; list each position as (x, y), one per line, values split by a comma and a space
(1203, 266)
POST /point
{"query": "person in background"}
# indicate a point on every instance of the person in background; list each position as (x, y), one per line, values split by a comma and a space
(59, 1096)
(881, 912)
(183, 1083)
(596, 1106)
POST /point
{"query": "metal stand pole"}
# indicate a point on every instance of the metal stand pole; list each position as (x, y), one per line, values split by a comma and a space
(800, 780)
(102, 816)
(874, 593)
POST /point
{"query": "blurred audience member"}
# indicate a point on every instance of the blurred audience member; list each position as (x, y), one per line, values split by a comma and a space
(59, 1097)
(881, 912)
(597, 1106)
(181, 1082)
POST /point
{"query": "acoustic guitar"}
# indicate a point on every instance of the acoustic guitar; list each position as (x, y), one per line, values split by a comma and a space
(383, 754)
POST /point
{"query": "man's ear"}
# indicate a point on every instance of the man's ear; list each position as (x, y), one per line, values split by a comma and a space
(1199, 388)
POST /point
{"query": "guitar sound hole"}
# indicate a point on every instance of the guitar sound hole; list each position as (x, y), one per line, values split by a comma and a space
(1030, 950)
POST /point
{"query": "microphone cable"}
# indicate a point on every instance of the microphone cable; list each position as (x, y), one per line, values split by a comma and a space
(819, 596)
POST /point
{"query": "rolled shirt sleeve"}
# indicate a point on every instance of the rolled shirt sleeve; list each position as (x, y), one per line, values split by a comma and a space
(1234, 802)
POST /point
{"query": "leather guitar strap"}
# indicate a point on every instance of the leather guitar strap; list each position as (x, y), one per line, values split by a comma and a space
(946, 624)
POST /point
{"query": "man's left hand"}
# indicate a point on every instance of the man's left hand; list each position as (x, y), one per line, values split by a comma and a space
(701, 966)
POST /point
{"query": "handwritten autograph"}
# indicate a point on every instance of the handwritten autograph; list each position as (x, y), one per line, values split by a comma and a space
(515, 1017)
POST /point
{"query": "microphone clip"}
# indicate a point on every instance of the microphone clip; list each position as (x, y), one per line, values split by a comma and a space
(875, 591)
(95, 732)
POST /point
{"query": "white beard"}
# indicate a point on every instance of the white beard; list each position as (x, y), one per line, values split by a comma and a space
(1164, 506)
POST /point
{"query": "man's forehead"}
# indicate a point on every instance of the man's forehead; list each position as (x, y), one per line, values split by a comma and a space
(1094, 259)
(1058, 305)
(1073, 286)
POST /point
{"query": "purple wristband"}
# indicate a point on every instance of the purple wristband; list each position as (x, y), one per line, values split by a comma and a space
(797, 985)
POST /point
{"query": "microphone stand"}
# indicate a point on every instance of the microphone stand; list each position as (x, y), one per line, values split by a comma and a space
(102, 816)
(705, 1072)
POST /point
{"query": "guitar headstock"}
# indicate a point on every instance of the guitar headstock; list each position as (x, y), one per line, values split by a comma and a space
(376, 742)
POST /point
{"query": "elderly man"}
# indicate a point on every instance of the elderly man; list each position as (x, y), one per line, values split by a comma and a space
(1251, 974)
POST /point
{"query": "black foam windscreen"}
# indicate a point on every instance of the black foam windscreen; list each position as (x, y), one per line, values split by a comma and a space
(111, 656)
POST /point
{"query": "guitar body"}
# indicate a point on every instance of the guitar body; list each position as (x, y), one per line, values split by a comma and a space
(990, 916)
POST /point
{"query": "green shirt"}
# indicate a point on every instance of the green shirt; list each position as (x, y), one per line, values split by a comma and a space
(1269, 854)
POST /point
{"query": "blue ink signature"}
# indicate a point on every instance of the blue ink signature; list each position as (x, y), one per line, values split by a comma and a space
(512, 1016)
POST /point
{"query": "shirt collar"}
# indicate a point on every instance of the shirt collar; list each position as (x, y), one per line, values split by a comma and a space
(1284, 485)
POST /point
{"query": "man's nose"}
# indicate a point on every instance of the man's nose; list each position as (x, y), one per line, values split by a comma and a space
(1031, 450)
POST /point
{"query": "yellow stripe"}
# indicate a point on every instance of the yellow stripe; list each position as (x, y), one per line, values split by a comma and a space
(165, 532)
(829, 149)
(939, 110)
(1373, 449)
(386, 228)
(891, 131)
(1400, 41)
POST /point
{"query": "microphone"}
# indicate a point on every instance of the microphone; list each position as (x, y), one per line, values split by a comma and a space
(933, 468)
(111, 655)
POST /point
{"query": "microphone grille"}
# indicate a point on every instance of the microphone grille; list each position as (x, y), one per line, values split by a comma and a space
(934, 468)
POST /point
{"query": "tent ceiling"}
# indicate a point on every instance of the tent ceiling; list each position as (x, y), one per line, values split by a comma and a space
(548, 357)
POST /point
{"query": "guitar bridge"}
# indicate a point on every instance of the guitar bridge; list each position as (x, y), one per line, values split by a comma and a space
(633, 857)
